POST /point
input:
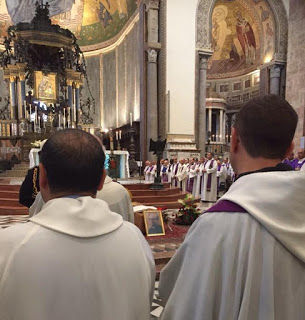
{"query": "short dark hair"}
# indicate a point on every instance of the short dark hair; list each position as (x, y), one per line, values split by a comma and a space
(74, 161)
(266, 126)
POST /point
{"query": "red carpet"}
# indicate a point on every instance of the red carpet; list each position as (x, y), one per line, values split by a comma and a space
(177, 235)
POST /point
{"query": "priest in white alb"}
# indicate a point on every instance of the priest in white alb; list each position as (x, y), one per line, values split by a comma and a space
(209, 179)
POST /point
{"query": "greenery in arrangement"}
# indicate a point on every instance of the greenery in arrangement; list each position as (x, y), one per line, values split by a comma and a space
(189, 212)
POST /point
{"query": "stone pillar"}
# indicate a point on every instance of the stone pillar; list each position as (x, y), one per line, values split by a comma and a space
(203, 66)
(13, 99)
(152, 8)
(152, 95)
(221, 126)
(210, 121)
(77, 103)
(22, 92)
(70, 93)
(275, 79)
(224, 128)
(153, 45)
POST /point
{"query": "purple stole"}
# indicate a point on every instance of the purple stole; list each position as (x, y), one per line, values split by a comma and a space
(209, 177)
(299, 165)
(164, 175)
(175, 172)
(209, 182)
(226, 206)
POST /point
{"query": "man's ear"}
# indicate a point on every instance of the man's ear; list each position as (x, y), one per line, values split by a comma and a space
(103, 177)
(43, 183)
(289, 150)
(234, 140)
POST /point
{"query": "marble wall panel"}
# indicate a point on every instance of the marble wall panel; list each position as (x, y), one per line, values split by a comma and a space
(109, 89)
(121, 85)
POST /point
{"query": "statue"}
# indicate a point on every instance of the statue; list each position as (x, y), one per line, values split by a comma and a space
(157, 147)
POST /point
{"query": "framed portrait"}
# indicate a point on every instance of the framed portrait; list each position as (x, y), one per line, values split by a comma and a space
(45, 86)
(153, 223)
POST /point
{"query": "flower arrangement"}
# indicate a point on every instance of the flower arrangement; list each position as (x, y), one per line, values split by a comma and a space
(36, 144)
(188, 213)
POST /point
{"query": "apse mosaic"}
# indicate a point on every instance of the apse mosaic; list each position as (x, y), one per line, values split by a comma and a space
(242, 37)
(92, 21)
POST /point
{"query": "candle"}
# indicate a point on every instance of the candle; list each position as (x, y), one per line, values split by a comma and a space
(30, 113)
(117, 135)
(58, 120)
(130, 115)
(120, 134)
(39, 121)
(35, 119)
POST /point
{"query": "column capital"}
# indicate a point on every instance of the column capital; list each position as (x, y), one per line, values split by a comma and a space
(152, 55)
(69, 82)
(204, 59)
(152, 4)
(275, 70)
(12, 78)
(22, 77)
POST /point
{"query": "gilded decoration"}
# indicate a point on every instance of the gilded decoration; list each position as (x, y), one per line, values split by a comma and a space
(266, 25)
(243, 37)
(92, 21)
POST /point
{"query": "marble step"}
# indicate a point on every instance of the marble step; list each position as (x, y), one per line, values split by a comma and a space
(143, 186)
(9, 194)
(6, 210)
(154, 192)
(157, 199)
(7, 202)
(9, 187)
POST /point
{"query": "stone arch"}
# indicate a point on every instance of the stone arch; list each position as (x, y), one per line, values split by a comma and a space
(204, 27)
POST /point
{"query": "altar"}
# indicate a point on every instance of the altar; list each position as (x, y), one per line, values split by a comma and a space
(123, 165)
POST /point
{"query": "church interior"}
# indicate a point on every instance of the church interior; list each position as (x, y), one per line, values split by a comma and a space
(129, 71)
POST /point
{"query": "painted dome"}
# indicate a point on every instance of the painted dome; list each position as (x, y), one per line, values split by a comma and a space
(94, 22)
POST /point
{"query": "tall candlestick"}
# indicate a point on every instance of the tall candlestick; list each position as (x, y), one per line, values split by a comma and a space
(30, 113)
(130, 115)
(117, 135)
(58, 120)
(120, 134)
(35, 120)
(39, 121)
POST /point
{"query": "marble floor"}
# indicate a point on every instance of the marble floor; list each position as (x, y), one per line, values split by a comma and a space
(156, 308)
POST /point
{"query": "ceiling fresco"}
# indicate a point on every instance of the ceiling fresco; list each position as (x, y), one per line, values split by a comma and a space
(242, 37)
(92, 21)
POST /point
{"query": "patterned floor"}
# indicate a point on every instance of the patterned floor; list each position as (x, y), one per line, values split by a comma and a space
(156, 308)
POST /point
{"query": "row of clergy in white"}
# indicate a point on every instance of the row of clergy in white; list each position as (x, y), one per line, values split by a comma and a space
(201, 178)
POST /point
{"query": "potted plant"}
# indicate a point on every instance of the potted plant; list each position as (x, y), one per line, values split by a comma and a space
(188, 213)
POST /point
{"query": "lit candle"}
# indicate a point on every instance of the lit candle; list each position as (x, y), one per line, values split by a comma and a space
(120, 134)
(130, 115)
(117, 135)
(39, 121)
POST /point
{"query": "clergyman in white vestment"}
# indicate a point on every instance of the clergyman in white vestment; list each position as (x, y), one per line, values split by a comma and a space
(244, 259)
(75, 259)
(209, 179)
